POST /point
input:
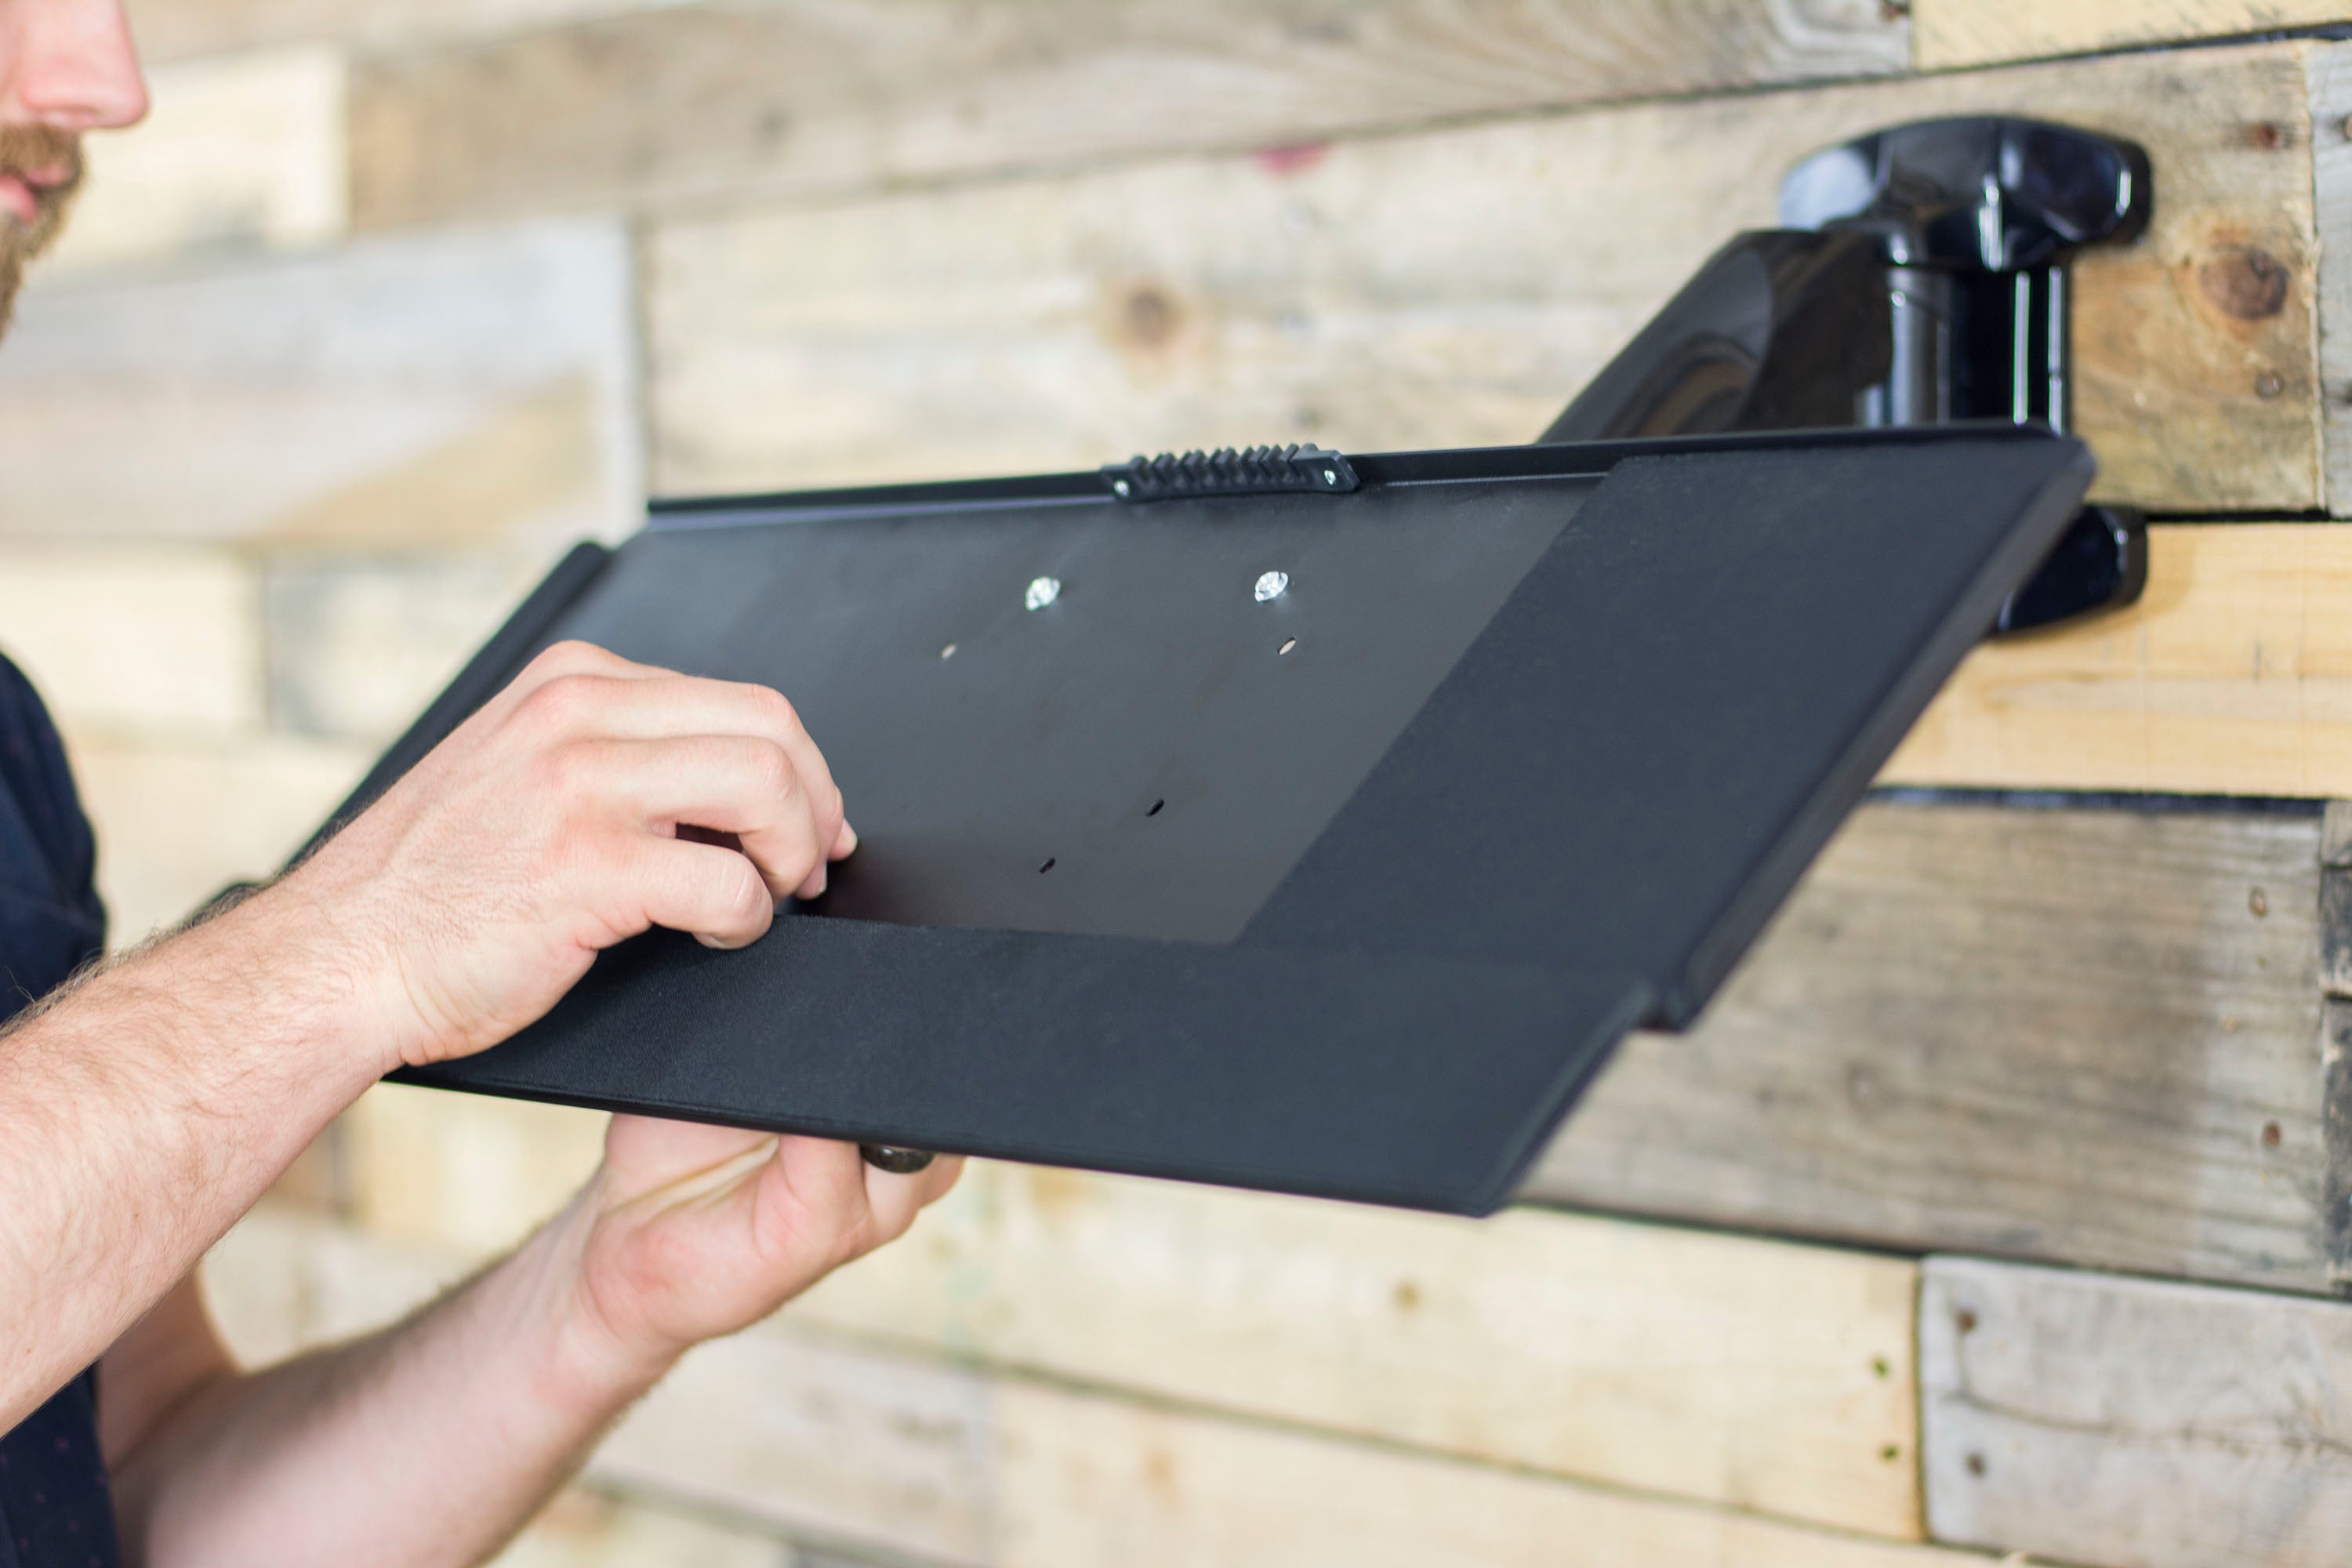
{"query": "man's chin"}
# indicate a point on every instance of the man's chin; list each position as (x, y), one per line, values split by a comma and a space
(20, 243)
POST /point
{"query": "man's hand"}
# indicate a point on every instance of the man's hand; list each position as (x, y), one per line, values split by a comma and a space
(553, 823)
(480, 889)
(690, 1232)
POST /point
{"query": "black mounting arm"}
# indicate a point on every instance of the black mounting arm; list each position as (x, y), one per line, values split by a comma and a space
(1921, 279)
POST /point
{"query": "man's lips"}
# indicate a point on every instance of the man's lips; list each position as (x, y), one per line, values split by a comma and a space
(20, 189)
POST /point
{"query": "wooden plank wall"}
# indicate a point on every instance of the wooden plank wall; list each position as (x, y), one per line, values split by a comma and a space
(1998, 1205)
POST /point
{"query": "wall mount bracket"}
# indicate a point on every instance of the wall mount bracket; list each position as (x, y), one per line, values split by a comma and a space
(1921, 276)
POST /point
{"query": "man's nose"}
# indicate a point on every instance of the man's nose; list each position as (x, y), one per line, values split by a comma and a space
(76, 69)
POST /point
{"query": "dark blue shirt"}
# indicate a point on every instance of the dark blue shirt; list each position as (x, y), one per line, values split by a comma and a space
(54, 1508)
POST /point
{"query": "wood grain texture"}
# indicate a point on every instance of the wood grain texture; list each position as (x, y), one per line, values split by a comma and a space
(1771, 1377)
(238, 155)
(1948, 32)
(2232, 675)
(873, 1450)
(2072, 1034)
(438, 392)
(710, 102)
(1451, 288)
(2132, 1423)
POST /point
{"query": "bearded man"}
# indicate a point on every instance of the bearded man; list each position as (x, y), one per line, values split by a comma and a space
(147, 1102)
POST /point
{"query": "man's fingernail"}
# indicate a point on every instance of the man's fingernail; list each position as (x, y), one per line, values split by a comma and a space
(847, 843)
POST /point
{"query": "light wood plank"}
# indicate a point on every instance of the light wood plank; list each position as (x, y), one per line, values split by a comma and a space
(1948, 32)
(237, 154)
(1772, 1378)
(875, 1451)
(1089, 1481)
(136, 640)
(178, 821)
(2077, 1036)
(1450, 288)
(710, 102)
(2134, 1423)
(450, 391)
(2232, 675)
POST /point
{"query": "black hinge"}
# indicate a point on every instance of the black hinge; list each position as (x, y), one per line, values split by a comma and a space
(1254, 470)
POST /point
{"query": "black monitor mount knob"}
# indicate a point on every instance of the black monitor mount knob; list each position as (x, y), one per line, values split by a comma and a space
(1921, 278)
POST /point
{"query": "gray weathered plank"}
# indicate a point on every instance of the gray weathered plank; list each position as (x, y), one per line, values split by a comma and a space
(690, 103)
(425, 393)
(2074, 1035)
(2335, 1132)
(2134, 1423)
(2328, 72)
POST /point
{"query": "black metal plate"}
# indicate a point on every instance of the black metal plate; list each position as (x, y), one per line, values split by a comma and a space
(1560, 727)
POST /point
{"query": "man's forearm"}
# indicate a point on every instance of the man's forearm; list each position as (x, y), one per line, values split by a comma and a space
(146, 1109)
(428, 1443)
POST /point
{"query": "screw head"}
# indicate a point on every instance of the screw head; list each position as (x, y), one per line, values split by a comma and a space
(1043, 591)
(1271, 585)
(1121, 486)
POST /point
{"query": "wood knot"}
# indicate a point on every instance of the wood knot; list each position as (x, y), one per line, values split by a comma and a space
(2271, 1135)
(2266, 134)
(1148, 316)
(2244, 281)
